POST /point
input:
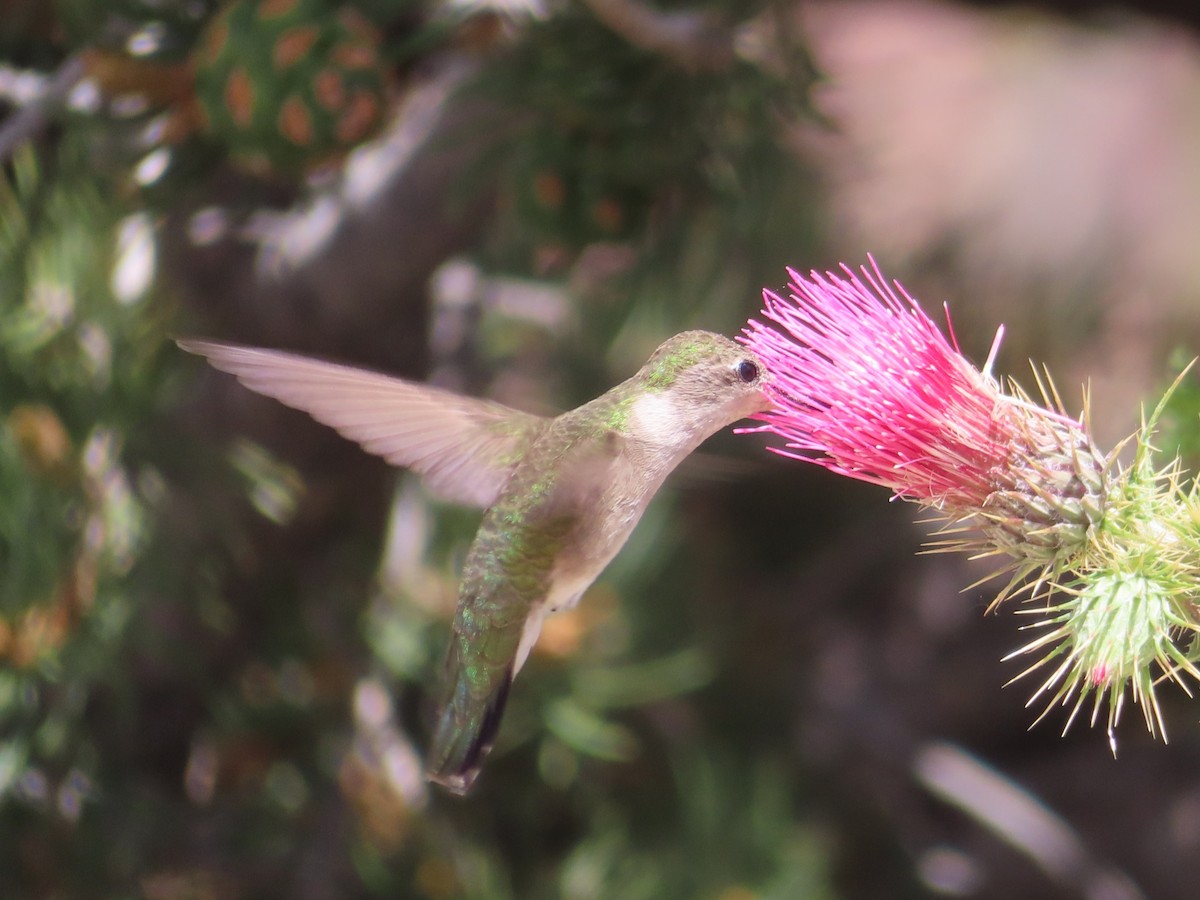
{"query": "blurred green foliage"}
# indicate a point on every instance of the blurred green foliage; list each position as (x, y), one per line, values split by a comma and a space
(1180, 425)
(79, 370)
(205, 690)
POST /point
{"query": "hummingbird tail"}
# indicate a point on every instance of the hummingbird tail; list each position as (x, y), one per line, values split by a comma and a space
(464, 734)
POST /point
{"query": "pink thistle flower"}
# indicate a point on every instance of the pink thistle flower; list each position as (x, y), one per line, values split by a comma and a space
(862, 377)
(865, 384)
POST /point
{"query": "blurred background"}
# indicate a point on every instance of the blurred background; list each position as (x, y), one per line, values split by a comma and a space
(220, 624)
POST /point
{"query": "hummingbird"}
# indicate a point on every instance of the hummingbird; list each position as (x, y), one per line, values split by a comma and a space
(561, 494)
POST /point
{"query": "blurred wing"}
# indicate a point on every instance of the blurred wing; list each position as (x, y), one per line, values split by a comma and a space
(465, 448)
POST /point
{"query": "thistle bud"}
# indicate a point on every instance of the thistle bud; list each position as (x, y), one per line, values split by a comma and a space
(1050, 492)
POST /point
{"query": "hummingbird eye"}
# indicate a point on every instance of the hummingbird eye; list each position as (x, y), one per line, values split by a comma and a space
(747, 371)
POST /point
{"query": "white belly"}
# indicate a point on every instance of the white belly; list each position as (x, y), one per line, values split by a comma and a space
(564, 593)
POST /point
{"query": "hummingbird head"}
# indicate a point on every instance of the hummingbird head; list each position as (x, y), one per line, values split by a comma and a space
(695, 384)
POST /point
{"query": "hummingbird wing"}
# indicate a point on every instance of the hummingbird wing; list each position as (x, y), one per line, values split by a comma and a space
(465, 448)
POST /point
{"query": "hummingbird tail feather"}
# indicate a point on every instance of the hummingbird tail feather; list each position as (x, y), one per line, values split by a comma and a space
(464, 735)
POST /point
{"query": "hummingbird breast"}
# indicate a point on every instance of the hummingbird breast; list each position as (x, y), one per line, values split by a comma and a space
(567, 509)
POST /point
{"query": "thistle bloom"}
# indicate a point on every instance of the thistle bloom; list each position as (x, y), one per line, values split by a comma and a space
(865, 384)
